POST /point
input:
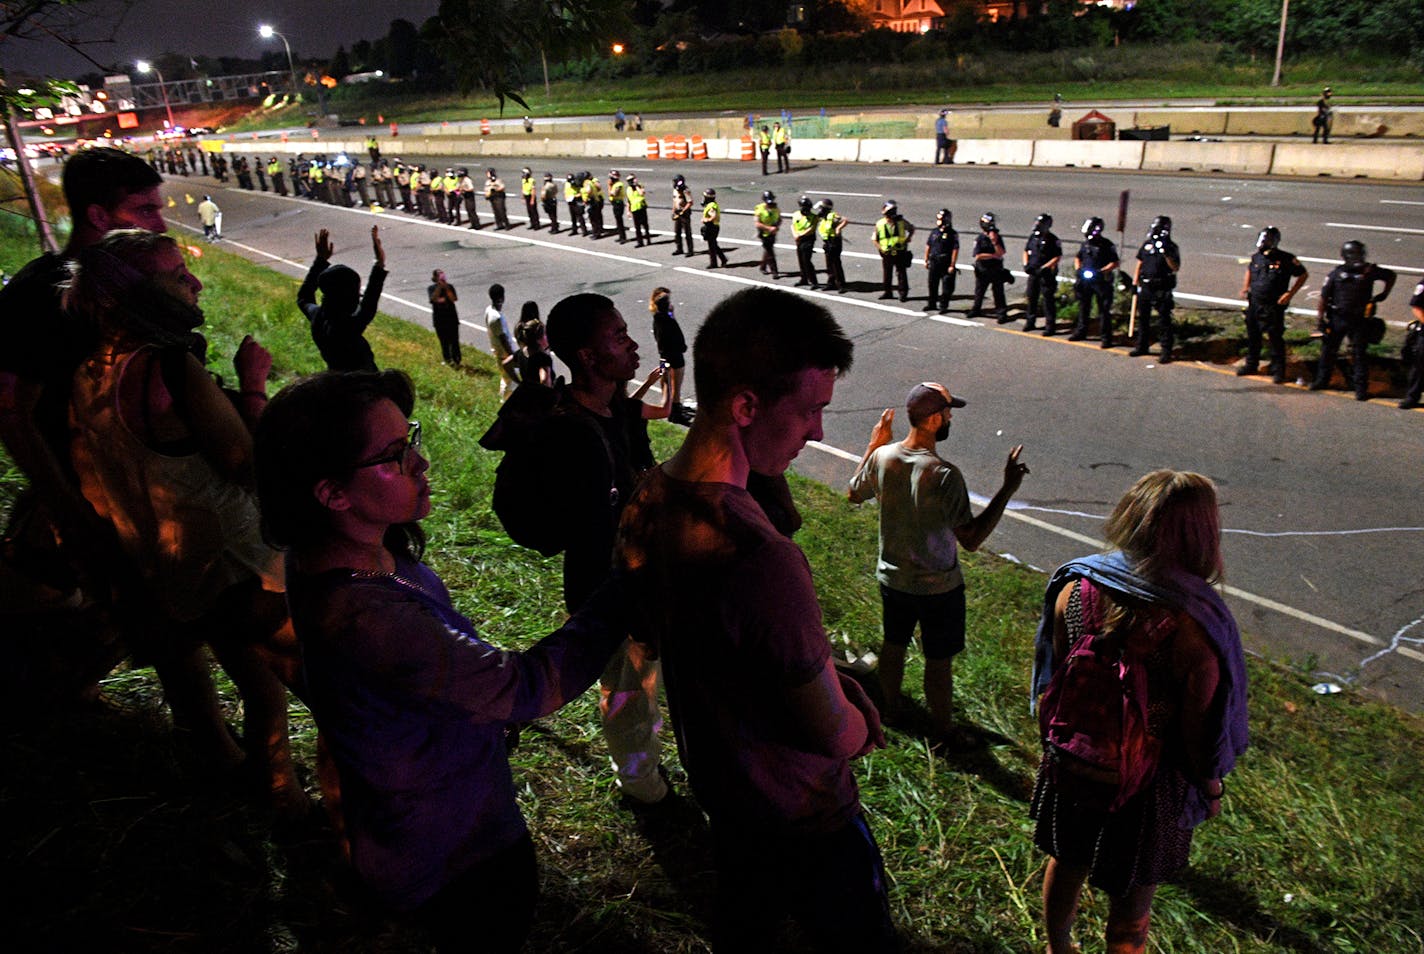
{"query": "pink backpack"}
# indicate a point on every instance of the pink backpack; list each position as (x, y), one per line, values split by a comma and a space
(1093, 715)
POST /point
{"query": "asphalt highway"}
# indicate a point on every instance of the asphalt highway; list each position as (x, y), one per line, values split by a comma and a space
(1321, 496)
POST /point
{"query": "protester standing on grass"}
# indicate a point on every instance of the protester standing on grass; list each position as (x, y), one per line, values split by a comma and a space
(672, 349)
(1149, 603)
(501, 342)
(766, 726)
(445, 317)
(338, 323)
(164, 455)
(924, 518)
(411, 702)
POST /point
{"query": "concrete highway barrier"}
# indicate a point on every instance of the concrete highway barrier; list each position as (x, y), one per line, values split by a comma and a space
(1248, 158)
(1345, 160)
(1269, 122)
(995, 152)
(1197, 122)
(1087, 154)
(897, 150)
(834, 150)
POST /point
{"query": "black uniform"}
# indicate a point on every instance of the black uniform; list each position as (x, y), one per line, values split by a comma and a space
(1414, 354)
(1042, 247)
(1095, 284)
(1347, 292)
(989, 273)
(940, 246)
(1271, 273)
(1160, 259)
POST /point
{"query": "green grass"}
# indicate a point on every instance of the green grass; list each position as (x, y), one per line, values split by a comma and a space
(121, 847)
(1097, 74)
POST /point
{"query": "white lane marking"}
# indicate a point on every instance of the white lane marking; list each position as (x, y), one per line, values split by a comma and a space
(388, 215)
(721, 276)
(913, 179)
(1322, 533)
(1096, 544)
(1398, 202)
(857, 195)
(1373, 228)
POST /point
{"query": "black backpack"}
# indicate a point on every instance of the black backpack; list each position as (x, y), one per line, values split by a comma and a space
(527, 498)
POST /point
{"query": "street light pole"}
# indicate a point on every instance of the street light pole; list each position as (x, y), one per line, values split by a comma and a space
(143, 67)
(266, 32)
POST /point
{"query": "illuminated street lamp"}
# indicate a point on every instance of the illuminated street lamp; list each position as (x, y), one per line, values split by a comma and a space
(266, 32)
(145, 66)
(618, 49)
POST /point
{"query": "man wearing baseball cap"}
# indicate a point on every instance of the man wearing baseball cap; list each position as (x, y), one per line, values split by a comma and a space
(924, 518)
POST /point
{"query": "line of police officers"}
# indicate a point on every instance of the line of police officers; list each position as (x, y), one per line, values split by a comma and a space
(1348, 297)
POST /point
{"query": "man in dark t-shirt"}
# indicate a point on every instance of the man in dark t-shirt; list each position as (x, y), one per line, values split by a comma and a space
(41, 345)
(765, 725)
(598, 446)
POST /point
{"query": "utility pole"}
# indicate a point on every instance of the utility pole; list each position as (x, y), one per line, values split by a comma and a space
(1281, 43)
(27, 175)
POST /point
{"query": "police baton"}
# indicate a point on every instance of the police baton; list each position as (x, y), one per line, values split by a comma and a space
(1122, 201)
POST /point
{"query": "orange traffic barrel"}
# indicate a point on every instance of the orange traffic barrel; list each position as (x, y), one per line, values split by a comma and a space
(699, 148)
(484, 127)
(748, 149)
(679, 147)
(652, 147)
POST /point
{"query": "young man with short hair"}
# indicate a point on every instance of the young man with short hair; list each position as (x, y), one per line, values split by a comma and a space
(765, 725)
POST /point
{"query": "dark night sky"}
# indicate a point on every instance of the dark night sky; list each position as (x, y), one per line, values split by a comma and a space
(214, 28)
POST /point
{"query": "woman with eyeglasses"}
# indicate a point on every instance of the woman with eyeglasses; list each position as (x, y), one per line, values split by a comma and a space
(411, 703)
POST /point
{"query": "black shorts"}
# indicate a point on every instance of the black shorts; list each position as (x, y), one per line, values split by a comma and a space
(674, 360)
(940, 618)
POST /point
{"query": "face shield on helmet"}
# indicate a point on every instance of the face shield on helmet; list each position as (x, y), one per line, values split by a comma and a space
(891, 209)
(1043, 222)
(804, 204)
(1353, 253)
(988, 222)
(1092, 227)
(945, 217)
(1269, 238)
(1161, 227)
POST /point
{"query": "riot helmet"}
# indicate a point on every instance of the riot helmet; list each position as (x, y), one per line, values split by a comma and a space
(945, 217)
(1270, 238)
(769, 197)
(1092, 227)
(1353, 253)
(804, 204)
(526, 172)
(548, 177)
(678, 182)
(613, 174)
(1043, 223)
(1161, 227)
(490, 172)
(987, 222)
(822, 206)
(569, 177)
(891, 209)
(708, 195)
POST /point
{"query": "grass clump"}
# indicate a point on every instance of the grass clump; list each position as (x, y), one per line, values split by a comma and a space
(123, 846)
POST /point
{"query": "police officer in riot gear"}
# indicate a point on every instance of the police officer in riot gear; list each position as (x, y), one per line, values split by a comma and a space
(989, 270)
(1093, 269)
(712, 227)
(829, 227)
(681, 215)
(1158, 260)
(1347, 301)
(1041, 255)
(1413, 352)
(766, 218)
(803, 228)
(1268, 290)
(941, 258)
